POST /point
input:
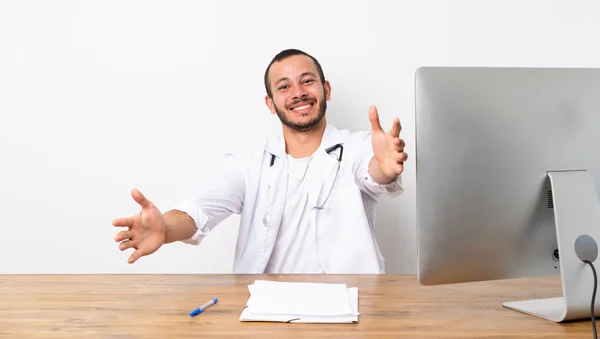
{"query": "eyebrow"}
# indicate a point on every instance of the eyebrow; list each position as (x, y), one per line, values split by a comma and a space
(301, 75)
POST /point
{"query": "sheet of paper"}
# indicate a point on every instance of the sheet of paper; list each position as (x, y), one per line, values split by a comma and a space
(288, 302)
(300, 299)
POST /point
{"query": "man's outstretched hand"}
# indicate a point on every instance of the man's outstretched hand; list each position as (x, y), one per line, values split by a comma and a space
(146, 230)
(388, 150)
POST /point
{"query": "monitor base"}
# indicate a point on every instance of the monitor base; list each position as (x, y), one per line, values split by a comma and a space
(576, 213)
(552, 309)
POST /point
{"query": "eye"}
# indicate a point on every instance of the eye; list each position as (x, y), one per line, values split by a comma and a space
(282, 87)
(309, 81)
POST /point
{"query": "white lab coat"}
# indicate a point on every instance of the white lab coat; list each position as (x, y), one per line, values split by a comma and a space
(249, 186)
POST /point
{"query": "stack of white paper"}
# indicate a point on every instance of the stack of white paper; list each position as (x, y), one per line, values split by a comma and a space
(301, 302)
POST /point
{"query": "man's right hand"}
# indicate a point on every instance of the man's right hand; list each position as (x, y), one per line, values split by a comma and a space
(146, 230)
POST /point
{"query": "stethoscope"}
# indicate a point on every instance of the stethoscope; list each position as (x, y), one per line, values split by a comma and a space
(339, 161)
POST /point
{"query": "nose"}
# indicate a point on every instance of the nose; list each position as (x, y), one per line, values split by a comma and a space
(299, 93)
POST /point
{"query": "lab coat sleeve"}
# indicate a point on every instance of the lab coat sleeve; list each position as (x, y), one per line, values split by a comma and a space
(221, 195)
(363, 179)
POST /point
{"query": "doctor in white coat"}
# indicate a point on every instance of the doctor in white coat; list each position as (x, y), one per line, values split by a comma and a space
(306, 197)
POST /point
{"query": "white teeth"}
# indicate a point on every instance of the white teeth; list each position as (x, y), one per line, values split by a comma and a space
(299, 108)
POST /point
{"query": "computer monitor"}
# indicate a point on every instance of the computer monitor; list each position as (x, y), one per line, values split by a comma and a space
(507, 162)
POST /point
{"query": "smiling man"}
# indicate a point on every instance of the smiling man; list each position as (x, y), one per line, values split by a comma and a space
(306, 197)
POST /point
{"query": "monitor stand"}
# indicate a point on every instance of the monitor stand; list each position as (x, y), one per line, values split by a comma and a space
(576, 213)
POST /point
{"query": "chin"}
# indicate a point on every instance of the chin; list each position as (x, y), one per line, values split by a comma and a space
(305, 119)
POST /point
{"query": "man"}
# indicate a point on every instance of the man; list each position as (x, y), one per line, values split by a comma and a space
(306, 197)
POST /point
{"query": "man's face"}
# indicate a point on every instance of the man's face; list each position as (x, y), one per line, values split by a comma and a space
(299, 97)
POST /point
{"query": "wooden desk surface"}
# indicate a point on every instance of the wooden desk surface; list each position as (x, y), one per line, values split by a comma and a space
(157, 306)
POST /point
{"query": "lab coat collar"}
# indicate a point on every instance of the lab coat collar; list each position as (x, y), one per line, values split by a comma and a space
(276, 144)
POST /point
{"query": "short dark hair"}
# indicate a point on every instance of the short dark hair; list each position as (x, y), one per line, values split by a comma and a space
(286, 54)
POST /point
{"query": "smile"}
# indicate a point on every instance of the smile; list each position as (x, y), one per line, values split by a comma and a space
(303, 109)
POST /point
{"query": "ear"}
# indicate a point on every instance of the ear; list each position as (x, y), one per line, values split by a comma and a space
(327, 87)
(269, 103)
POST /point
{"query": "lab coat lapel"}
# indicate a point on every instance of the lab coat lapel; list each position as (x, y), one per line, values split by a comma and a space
(277, 182)
(277, 193)
(324, 167)
(320, 176)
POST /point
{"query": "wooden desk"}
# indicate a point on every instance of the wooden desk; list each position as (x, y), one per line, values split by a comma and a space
(157, 306)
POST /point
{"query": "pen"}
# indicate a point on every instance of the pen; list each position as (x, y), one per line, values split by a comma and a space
(203, 307)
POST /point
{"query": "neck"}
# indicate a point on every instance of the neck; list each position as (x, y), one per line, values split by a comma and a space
(303, 144)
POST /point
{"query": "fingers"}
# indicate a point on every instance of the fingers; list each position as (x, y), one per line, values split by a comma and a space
(123, 235)
(376, 125)
(401, 157)
(374, 118)
(126, 245)
(399, 143)
(134, 256)
(396, 128)
(123, 222)
(399, 169)
(140, 198)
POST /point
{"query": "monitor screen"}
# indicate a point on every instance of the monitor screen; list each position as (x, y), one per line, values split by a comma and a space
(485, 140)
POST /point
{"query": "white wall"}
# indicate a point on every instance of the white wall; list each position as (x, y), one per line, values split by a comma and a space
(99, 97)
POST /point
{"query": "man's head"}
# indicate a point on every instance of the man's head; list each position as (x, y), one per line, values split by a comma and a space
(297, 90)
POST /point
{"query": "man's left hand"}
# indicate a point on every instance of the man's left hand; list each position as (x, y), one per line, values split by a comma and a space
(388, 150)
